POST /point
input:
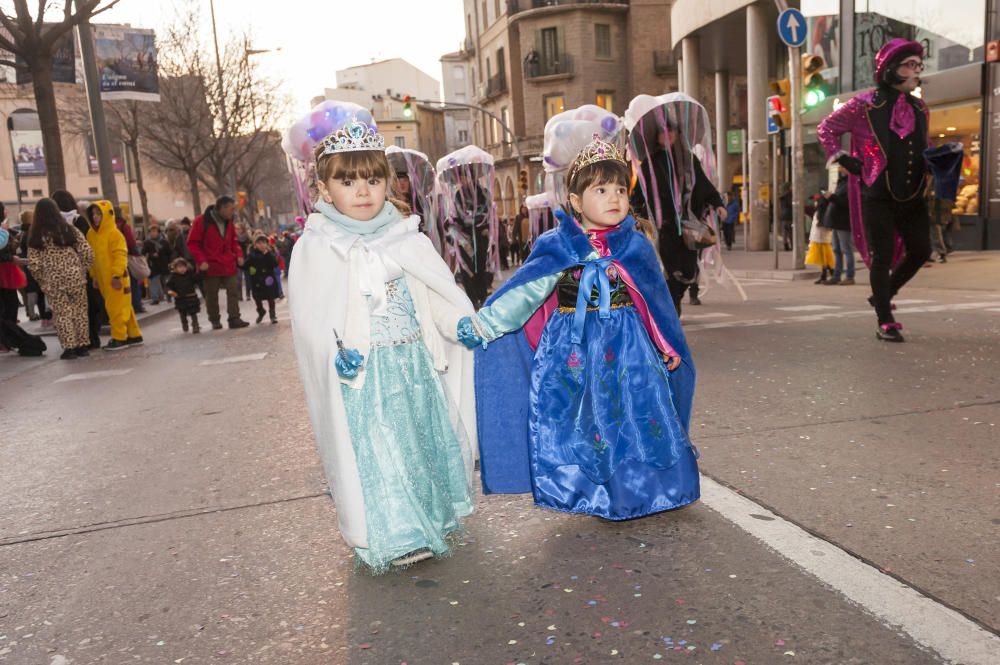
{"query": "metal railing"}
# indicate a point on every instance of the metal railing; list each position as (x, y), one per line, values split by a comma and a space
(516, 6)
(548, 66)
(493, 86)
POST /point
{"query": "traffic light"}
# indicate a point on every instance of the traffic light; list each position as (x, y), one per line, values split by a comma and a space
(780, 104)
(522, 182)
(813, 85)
(407, 107)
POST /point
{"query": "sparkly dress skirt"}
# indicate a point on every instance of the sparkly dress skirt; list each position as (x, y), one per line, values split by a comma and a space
(605, 437)
(408, 455)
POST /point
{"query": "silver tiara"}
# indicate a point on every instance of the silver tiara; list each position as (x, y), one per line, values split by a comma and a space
(352, 137)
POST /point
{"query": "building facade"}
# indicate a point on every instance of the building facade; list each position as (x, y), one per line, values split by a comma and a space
(22, 162)
(531, 59)
(456, 84)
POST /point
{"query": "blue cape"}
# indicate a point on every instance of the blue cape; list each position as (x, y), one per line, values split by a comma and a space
(503, 370)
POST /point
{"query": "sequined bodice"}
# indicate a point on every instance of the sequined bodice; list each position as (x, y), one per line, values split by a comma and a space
(400, 324)
(569, 284)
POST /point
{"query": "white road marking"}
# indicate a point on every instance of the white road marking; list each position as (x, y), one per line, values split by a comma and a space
(83, 376)
(807, 308)
(911, 302)
(990, 306)
(896, 605)
(234, 359)
(709, 315)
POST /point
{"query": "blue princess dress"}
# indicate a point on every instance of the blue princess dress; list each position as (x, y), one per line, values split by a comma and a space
(408, 454)
(605, 422)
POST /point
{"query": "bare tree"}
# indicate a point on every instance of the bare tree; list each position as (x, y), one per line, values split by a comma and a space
(36, 42)
(177, 131)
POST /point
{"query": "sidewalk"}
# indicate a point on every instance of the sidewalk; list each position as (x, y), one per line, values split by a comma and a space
(152, 313)
(760, 265)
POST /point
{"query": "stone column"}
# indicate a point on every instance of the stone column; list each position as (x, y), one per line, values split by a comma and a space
(691, 67)
(721, 125)
(759, 31)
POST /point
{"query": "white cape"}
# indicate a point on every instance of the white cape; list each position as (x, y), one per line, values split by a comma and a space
(330, 274)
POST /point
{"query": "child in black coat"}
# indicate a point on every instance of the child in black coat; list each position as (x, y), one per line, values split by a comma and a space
(261, 265)
(182, 285)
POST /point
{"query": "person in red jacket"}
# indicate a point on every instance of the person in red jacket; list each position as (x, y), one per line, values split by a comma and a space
(217, 255)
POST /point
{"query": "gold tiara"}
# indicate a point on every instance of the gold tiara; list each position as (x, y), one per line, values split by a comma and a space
(596, 151)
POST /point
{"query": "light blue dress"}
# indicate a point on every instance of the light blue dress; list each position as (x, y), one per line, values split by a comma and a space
(408, 455)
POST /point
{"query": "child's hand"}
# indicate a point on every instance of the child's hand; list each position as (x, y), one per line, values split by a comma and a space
(172, 294)
(348, 368)
(116, 283)
(467, 334)
(673, 362)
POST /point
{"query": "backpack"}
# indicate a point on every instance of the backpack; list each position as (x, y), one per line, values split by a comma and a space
(16, 337)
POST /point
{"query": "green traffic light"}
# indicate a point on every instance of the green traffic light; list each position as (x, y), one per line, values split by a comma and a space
(814, 97)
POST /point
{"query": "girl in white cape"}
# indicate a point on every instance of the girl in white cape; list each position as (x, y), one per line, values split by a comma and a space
(389, 388)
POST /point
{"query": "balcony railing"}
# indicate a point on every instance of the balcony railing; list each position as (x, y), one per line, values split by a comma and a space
(469, 46)
(664, 63)
(534, 69)
(493, 86)
(515, 6)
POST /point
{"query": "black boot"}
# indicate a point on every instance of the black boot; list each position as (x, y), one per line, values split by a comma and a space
(195, 328)
(274, 316)
(184, 322)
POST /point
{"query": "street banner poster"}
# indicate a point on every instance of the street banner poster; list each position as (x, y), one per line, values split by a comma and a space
(63, 63)
(126, 61)
(117, 163)
(28, 153)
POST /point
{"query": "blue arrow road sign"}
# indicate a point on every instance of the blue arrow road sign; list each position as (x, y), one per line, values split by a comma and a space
(792, 27)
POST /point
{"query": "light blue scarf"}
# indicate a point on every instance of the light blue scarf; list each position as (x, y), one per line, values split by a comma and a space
(373, 228)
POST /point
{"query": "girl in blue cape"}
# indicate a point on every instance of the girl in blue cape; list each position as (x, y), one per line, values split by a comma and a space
(584, 380)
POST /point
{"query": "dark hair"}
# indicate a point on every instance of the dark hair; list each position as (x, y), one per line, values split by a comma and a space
(224, 200)
(3, 211)
(604, 172)
(65, 201)
(50, 227)
(186, 220)
(180, 261)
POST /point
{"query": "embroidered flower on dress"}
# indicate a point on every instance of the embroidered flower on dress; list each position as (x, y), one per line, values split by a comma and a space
(573, 361)
(609, 356)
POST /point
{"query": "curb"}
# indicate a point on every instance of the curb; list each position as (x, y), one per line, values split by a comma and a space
(778, 275)
(140, 318)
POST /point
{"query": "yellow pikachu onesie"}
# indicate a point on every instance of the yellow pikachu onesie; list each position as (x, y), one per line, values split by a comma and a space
(111, 260)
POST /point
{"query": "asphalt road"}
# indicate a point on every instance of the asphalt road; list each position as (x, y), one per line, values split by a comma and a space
(161, 510)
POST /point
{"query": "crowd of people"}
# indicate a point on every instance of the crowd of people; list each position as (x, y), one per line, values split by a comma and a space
(79, 267)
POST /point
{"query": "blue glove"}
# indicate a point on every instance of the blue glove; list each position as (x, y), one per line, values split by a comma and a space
(348, 369)
(467, 334)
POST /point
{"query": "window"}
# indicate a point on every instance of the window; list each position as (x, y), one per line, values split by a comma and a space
(501, 65)
(24, 192)
(458, 72)
(496, 7)
(91, 190)
(463, 136)
(602, 40)
(400, 141)
(36, 192)
(489, 70)
(485, 19)
(606, 100)
(554, 104)
(550, 45)
(505, 119)
(495, 131)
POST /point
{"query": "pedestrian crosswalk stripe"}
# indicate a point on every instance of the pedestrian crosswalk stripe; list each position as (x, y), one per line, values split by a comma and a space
(900, 303)
(708, 315)
(234, 359)
(83, 376)
(807, 308)
(929, 623)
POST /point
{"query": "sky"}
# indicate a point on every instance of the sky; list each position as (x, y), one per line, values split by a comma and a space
(318, 37)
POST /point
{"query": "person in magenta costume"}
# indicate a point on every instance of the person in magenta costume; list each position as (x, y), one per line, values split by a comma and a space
(888, 169)
(584, 380)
